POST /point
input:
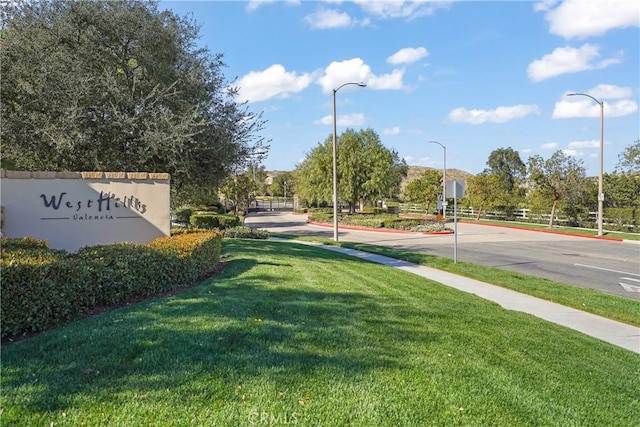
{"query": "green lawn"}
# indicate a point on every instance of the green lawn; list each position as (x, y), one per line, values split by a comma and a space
(611, 306)
(294, 334)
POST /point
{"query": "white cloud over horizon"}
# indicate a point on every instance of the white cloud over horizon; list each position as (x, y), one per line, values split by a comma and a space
(564, 60)
(355, 70)
(408, 55)
(344, 120)
(272, 82)
(581, 19)
(499, 115)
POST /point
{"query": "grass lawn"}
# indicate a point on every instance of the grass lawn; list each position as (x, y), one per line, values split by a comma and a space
(293, 334)
(592, 301)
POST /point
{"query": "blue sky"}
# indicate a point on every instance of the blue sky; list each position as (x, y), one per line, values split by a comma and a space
(473, 75)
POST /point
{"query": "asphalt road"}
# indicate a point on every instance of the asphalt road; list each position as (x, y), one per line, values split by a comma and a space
(608, 266)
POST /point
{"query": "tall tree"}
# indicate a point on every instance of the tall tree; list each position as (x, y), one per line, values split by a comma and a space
(283, 184)
(425, 188)
(367, 170)
(486, 190)
(506, 163)
(561, 177)
(629, 159)
(119, 86)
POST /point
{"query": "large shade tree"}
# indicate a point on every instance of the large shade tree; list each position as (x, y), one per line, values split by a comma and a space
(117, 86)
(425, 189)
(560, 178)
(487, 190)
(629, 159)
(507, 165)
(367, 170)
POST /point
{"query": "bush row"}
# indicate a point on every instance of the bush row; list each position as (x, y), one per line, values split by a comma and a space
(379, 221)
(42, 287)
(210, 221)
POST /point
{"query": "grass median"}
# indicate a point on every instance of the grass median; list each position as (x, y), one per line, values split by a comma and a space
(611, 306)
(291, 333)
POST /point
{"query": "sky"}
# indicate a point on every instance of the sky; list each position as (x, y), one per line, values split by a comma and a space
(474, 76)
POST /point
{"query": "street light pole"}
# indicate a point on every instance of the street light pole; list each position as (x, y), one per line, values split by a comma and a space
(335, 161)
(444, 179)
(600, 190)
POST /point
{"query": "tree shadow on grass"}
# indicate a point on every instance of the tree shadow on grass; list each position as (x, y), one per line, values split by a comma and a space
(236, 327)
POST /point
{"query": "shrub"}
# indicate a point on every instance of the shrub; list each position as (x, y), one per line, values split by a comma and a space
(243, 232)
(12, 243)
(43, 287)
(374, 210)
(183, 215)
(210, 221)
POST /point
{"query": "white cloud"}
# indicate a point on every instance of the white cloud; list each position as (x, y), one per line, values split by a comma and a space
(549, 146)
(356, 119)
(571, 153)
(583, 107)
(408, 55)
(611, 92)
(329, 18)
(567, 59)
(399, 8)
(255, 4)
(392, 131)
(584, 144)
(275, 81)
(499, 115)
(355, 70)
(581, 18)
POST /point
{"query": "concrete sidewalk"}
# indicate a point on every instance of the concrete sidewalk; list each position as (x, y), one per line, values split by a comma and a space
(611, 331)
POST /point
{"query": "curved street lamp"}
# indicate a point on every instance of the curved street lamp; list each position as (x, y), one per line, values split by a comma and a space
(444, 179)
(599, 220)
(335, 161)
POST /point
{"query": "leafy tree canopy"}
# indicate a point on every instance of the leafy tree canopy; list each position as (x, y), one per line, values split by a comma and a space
(559, 178)
(629, 159)
(367, 170)
(506, 163)
(424, 189)
(117, 86)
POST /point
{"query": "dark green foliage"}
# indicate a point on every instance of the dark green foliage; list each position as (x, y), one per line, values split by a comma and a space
(183, 215)
(23, 243)
(43, 287)
(374, 210)
(211, 221)
(243, 232)
(118, 86)
(388, 221)
(623, 219)
(367, 170)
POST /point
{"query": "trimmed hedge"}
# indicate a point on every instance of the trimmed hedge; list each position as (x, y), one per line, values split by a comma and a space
(210, 221)
(243, 232)
(43, 287)
(387, 221)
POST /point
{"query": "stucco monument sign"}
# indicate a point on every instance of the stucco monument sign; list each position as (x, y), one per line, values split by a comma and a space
(75, 209)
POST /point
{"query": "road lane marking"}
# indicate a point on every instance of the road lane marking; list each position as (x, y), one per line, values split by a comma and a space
(606, 269)
(630, 288)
